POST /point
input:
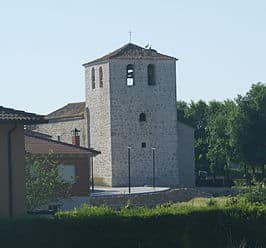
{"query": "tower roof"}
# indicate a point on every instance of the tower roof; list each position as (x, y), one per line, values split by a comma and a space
(131, 51)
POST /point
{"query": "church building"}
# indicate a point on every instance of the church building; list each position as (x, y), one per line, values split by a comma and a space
(130, 115)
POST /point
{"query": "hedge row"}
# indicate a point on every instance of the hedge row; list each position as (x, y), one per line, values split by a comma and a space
(166, 226)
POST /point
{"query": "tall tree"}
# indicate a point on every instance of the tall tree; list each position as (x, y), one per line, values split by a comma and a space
(182, 110)
(221, 151)
(250, 127)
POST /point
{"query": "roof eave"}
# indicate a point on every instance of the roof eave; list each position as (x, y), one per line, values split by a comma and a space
(23, 122)
(65, 118)
(94, 62)
(89, 150)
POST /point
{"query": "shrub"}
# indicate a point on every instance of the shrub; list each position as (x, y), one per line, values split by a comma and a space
(43, 182)
(85, 211)
(232, 201)
(172, 226)
(163, 226)
(240, 183)
(211, 202)
(256, 195)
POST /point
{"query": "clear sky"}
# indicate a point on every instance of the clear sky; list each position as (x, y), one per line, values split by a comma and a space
(221, 45)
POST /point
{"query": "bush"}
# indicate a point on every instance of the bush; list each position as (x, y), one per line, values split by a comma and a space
(211, 202)
(163, 226)
(171, 226)
(43, 182)
(240, 183)
(232, 201)
(256, 195)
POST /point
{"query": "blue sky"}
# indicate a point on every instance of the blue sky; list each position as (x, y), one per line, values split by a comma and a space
(221, 45)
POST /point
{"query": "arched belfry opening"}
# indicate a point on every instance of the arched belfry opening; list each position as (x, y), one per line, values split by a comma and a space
(142, 117)
(130, 75)
(101, 77)
(93, 78)
(151, 74)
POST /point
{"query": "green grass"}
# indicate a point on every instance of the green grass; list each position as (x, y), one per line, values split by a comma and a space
(204, 202)
(218, 222)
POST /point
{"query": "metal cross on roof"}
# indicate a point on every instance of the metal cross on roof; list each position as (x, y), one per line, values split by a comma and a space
(130, 36)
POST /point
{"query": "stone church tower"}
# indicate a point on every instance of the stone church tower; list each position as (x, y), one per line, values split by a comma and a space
(131, 102)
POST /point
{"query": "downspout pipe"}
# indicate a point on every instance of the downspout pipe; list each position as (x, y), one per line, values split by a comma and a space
(10, 177)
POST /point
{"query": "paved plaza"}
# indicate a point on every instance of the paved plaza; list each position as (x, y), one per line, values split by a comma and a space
(108, 191)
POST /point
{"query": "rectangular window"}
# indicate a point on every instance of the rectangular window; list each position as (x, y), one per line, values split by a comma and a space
(143, 145)
(67, 173)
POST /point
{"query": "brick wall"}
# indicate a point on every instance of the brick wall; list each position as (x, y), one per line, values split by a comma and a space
(82, 171)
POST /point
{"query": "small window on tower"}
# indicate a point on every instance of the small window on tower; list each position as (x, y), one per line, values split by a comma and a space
(142, 117)
(101, 76)
(93, 78)
(143, 144)
(130, 75)
(151, 74)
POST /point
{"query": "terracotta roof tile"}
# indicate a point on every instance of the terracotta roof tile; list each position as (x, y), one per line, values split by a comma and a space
(70, 110)
(41, 145)
(12, 115)
(131, 50)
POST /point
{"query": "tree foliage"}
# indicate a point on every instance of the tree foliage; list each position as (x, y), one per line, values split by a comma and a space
(250, 126)
(232, 131)
(43, 183)
(221, 151)
(195, 115)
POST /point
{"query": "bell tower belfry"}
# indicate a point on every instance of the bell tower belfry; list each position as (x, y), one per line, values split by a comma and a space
(131, 101)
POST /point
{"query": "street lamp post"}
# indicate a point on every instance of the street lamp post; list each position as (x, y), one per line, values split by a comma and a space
(153, 166)
(129, 179)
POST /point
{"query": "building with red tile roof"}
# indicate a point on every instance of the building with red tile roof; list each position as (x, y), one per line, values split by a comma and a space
(73, 161)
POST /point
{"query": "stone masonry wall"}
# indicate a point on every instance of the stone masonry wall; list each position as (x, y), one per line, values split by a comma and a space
(186, 155)
(148, 199)
(158, 198)
(159, 130)
(98, 104)
(63, 129)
